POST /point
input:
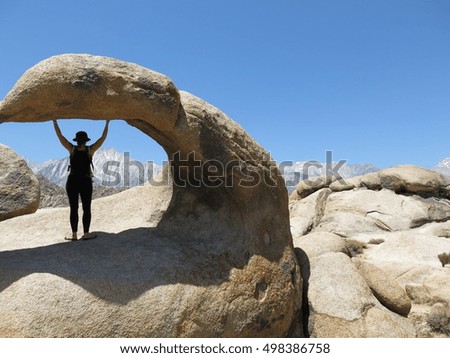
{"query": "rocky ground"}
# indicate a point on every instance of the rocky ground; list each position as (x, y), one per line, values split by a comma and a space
(134, 280)
(374, 253)
(374, 248)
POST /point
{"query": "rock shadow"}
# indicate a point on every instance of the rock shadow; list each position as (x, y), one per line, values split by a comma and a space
(120, 267)
(305, 270)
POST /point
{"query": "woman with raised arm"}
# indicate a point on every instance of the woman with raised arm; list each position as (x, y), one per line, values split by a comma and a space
(79, 182)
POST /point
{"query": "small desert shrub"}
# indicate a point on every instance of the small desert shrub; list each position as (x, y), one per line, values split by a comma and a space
(444, 258)
(376, 241)
(355, 247)
(439, 318)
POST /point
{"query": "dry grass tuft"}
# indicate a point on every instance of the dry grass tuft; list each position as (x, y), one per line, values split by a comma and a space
(355, 247)
(439, 318)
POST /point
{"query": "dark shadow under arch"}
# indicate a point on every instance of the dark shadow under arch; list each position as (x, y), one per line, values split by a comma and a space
(92, 264)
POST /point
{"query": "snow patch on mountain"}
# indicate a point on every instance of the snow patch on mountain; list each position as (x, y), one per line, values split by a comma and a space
(443, 167)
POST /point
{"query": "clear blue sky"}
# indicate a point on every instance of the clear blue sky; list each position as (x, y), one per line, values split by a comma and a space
(369, 80)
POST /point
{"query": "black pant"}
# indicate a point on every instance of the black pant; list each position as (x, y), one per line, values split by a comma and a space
(82, 186)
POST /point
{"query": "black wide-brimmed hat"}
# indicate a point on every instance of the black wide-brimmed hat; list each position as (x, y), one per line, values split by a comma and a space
(81, 136)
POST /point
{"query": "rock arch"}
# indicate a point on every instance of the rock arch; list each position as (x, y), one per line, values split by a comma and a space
(228, 197)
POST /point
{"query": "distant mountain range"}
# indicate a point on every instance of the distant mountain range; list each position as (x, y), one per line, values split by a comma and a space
(111, 169)
(302, 170)
(299, 171)
(116, 169)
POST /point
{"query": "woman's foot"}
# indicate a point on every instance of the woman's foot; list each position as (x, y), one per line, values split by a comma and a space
(71, 238)
(88, 236)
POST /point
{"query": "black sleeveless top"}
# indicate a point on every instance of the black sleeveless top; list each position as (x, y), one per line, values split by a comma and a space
(80, 162)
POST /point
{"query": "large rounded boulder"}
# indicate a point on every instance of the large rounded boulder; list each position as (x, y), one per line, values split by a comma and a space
(214, 255)
(395, 225)
(19, 187)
